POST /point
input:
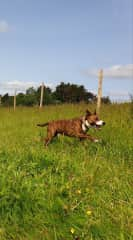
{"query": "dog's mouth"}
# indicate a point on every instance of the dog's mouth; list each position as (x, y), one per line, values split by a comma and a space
(98, 127)
(98, 124)
(94, 125)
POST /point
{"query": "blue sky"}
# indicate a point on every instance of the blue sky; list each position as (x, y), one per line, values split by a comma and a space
(64, 40)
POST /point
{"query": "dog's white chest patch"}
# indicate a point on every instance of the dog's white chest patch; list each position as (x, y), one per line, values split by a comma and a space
(84, 127)
(87, 124)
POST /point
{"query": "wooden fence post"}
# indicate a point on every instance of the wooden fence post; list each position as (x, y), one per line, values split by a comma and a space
(99, 96)
(41, 97)
(14, 100)
(0, 100)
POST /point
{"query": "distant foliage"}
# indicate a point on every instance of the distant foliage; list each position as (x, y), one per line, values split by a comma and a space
(72, 93)
(7, 100)
(64, 93)
(106, 100)
(131, 98)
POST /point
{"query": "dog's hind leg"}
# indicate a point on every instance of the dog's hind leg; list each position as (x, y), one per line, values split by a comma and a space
(50, 136)
(47, 141)
(81, 139)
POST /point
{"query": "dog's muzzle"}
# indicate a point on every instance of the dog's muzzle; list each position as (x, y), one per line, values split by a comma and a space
(100, 123)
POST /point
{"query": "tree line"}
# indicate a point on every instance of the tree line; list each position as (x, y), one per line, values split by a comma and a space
(63, 93)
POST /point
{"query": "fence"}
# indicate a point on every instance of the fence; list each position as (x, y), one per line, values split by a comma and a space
(17, 87)
(14, 89)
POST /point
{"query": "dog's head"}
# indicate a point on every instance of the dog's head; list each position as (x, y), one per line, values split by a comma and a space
(92, 120)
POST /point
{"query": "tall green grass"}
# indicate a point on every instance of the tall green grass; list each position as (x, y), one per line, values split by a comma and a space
(71, 189)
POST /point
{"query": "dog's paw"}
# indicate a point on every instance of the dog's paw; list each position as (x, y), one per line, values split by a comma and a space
(96, 140)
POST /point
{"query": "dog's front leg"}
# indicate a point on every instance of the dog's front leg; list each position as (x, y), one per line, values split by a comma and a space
(92, 138)
(87, 136)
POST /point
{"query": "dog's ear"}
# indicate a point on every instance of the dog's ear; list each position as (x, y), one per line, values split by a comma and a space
(95, 112)
(88, 113)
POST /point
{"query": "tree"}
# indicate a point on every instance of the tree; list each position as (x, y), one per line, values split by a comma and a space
(20, 99)
(30, 98)
(48, 97)
(66, 92)
(31, 91)
(7, 100)
(106, 100)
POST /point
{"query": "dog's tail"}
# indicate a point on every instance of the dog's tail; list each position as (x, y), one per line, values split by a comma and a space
(42, 125)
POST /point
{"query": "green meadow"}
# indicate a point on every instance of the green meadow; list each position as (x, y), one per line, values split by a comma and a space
(70, 190)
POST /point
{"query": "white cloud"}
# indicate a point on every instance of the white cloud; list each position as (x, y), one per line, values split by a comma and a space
(18, 85)
(116, 71)
(4, 26)
(119, 94)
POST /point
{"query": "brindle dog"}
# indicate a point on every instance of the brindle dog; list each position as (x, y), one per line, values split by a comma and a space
(76, 127)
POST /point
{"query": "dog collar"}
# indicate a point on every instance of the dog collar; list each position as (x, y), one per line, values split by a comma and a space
(85, 124)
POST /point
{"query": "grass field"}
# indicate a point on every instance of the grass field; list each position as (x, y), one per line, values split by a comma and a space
(71, 190)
